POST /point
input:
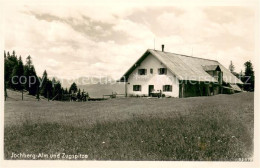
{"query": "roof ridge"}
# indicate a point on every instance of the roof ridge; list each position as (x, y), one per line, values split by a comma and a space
(184, 55)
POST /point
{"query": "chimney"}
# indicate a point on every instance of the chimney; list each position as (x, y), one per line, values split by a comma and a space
(162, 47)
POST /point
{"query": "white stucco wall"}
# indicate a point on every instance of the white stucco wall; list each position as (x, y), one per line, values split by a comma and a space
(152, 79)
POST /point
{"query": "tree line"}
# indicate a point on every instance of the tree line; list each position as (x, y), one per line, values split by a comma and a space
(20, 76)
(247, 77)
(23, 77)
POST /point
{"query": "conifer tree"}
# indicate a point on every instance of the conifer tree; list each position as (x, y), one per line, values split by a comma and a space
(249, 77)
(79, 95)
(28, 72)
(73, 88)
(66, 91)
(34, 82)
(49, 89)
(231, 67)
(10, 63)
(8, 54)
(17, 75)
(43, 86)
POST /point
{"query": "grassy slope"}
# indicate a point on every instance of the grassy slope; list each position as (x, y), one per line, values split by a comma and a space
(17, 96)
(202, 128)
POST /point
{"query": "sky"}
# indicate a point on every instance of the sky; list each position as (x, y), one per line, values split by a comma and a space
(72, 41)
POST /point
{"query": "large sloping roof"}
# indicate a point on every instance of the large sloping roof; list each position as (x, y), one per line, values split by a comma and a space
(186, 67)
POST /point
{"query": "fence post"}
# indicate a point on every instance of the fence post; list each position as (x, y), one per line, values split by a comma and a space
(125, 89)
(38, 97)
(22, 94)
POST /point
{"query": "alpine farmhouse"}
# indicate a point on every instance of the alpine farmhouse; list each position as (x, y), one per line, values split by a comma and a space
(176, 75)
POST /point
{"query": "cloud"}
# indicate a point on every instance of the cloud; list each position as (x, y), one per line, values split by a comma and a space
(75, 41)
(96, 30)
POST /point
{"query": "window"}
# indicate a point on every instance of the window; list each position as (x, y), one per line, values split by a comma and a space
(162, 71)
(167, 88)
(141, 71)
(151, 71)
(136, 87)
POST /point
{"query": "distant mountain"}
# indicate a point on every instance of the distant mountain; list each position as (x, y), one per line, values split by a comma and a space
(95, 86)
(90, 80)
(98, 90)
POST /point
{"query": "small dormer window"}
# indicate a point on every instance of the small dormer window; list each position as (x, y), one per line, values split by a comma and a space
(142, 71)
(214, 71)
(162, 71)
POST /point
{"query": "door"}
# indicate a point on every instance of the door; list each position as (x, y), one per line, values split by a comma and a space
(151, 88)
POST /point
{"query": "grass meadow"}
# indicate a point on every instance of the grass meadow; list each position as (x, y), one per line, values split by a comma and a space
(215, 128)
